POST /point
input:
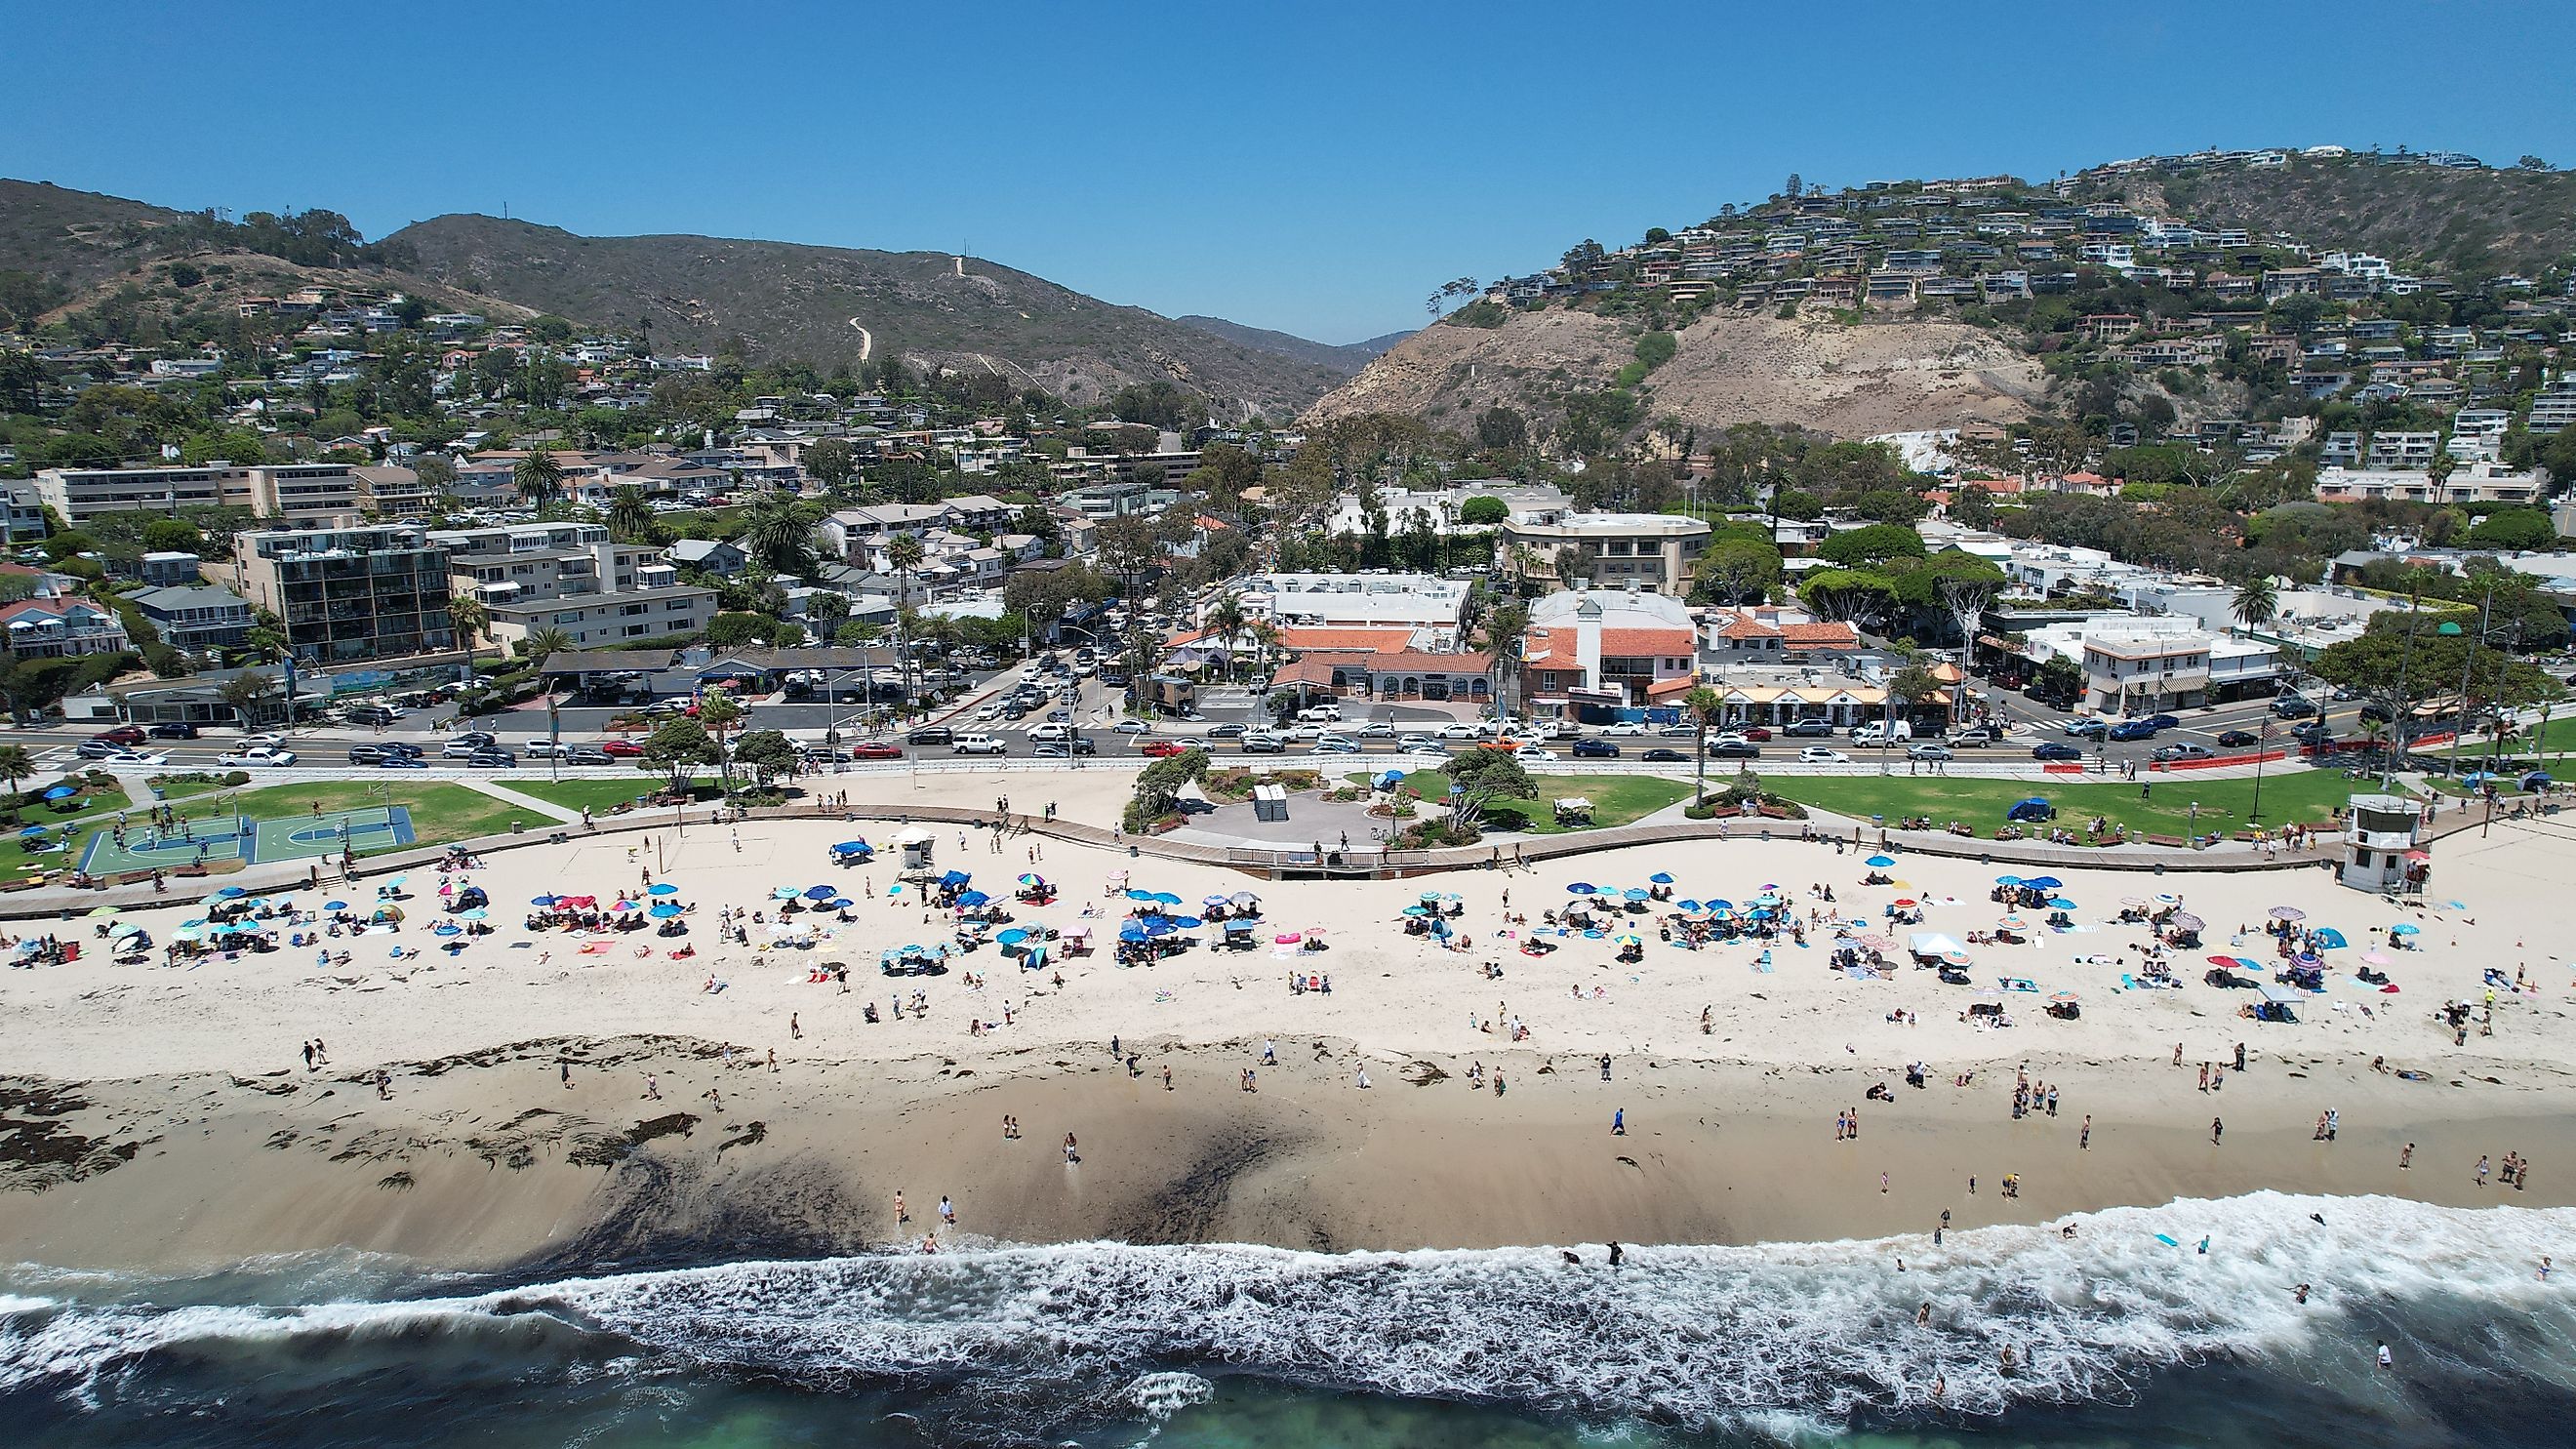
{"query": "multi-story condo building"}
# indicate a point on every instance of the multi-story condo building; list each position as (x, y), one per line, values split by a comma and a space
(531, 577)
(289, 492)
(1608, 550)
(348, 594)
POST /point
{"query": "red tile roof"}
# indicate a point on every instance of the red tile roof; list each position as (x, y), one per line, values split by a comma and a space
(1640, 643)
(1367, 640)
(1820, 636)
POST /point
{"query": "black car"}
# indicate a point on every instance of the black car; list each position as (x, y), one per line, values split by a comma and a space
(1595, 750)
(2235, 738)
(1665, 757)
(1809, 729)
(2054, 750)
(369, 755)
(398, 747)
(2378, 713)
(174, 730)
(1225, 732)
(2314, 732)
(493, 759)
(932, 735)
(2291, 706)
(1734, 750)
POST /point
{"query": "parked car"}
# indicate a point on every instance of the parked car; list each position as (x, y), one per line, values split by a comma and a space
(1930, 753)
(2184, 752)
(124, 734)
(2053, 750)
(1625, 729)
(1664, 757)
(373, 714)
(2234, 739)
(2378, 713)
(980, 745)
(257, 757)
(174, 730)
(1595, 750)
(1460, 732)
(1320, 714)
(1819, 755)
(1134, 727)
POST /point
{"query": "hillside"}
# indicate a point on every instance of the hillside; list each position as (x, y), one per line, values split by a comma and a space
(74, 238)
(831, 304)
(1345, 359)
(1729, 367)
(2474, 223)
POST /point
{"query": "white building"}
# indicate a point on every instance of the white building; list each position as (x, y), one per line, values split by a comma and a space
(2146, 663)
(1434, 607)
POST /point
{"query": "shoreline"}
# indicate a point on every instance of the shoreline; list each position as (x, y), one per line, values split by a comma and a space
(490, 1165)
(165, 1114)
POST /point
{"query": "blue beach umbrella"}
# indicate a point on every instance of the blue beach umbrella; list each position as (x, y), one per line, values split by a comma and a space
(1012, 937)
(837, 903)
(198, 924)
(821, 892)
(663, 888)
(784, 893)
(476, 914)
(2008, 880)
(1659, 878)
(1635, 893)
(344, 905)
(61, 792)
(1132, 931)
(2060, 903)
(1581, 888)
(664, 911)
(1416, 911)
(532, 900)
(851, 847)
(2328, 937)
(955, 878)
(32, 830)
(1166, 898)
(2043, 882)
(1142, 897)
(1879, 862)
(1715, 904)
(231, 893)
(2408, 928)
(974, 898)
(1187, 923)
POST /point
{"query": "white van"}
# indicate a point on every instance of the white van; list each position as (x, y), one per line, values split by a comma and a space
(1876, 732)
(1320, 714)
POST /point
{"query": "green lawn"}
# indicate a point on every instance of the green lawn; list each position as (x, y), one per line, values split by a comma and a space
(1616, 799)
(95, 803)
(599, 796)
(2293, 795)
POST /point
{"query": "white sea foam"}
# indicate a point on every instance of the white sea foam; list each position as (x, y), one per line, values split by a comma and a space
(1687, 1334)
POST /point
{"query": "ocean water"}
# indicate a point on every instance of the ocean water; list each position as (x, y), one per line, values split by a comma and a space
(2117, 1338)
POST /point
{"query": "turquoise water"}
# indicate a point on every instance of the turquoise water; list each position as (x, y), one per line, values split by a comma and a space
(2116, 1339)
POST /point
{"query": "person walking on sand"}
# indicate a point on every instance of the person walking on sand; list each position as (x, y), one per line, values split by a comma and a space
(2084, 1135)
(652, 1087)
(902, 1214)
(947, 1211)
(1071, 1157)
(795, 1029)
(1619, 1122)
(2406, 1158)
(2217, 1130)
(565, 1063)
(2482, 1169)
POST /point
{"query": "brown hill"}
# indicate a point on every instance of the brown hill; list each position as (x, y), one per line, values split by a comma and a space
(1877, 377)
(2474, 224)
(835, 304)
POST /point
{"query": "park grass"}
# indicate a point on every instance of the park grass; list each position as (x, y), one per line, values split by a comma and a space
(1616, 799)
(95, 802)
(597, 796)
(2288, 796)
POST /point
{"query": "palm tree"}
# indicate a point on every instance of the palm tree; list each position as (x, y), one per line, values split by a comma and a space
(1706, 707)
(903, 555)
(2440, 471)
(2257, 602)
(630, 518)
(541, 644)
(1224, 623)
(16, 764)
(717, 712)
(539, 477)
(776, 533)
(471, 619)
(1505, 623)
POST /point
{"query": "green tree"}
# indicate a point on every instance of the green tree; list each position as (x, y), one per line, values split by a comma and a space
(1736, 571)
(630, 518)
(16, 765)
(775, 532)
(1500, 429)
(1876, 544)
(767, 753)
(831, 461)
(676, 748)
(2257, 602)
(544, 644)
(538, 476)
(1480, 778)
(1484, 511)
(471, 619)
(826, 611)
(243, 692)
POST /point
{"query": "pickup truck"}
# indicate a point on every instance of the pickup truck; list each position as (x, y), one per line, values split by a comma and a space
(256, 757)
(980, 745)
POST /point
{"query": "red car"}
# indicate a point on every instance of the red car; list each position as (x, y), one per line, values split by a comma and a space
(876, 750)
(620, 749)
(123, 735)
(1755, 732)
(1161, 749)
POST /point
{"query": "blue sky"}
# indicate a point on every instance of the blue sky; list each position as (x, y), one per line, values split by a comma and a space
(1318, 169)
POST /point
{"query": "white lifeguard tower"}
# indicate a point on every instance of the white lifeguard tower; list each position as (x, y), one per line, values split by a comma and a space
(2383, 845)
(916, 842)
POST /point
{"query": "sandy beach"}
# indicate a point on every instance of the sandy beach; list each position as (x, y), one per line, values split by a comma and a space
(164, 1116)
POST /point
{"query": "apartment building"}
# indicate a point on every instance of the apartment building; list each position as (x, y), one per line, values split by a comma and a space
(1654, 551)
(289, 492)
(346, 594)
(530, 577)
(197, 618)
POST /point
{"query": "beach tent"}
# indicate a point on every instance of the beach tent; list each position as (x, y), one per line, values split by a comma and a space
(1933, 945)
(2035, 810)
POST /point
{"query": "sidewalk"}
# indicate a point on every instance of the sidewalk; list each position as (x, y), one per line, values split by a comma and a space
(503, 793)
